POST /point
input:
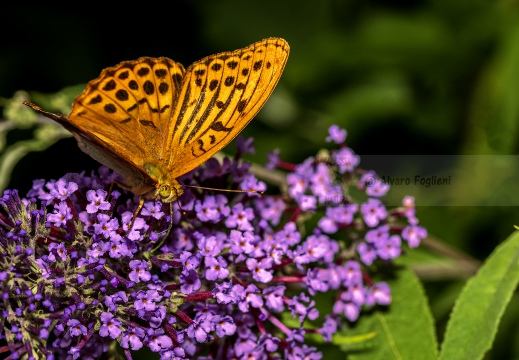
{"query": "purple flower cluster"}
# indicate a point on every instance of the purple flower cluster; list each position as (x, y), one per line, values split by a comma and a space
(74, 277)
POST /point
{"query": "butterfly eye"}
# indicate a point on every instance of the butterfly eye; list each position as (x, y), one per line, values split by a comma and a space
(165, 191)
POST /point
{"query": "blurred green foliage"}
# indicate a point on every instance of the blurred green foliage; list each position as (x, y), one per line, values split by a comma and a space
(403, 77)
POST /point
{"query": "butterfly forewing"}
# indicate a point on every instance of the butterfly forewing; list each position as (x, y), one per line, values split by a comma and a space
(207, 97)
(220, 95)
(129, 107)
(267, 71)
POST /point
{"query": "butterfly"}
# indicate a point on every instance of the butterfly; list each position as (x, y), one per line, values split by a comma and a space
(151, 121)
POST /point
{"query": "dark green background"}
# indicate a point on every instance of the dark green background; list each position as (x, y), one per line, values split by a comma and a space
(403, 77)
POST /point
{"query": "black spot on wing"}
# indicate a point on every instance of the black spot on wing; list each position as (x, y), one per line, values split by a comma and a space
(143, 71)
(121, 95)
(163, 88)
(161, 73)
(232, 64)
(257, 65)
(229, 80)
(148, 87)
(110, 108)
(95, 100)
(213, 85)
(133, 85)
(200, 147)
(218, 126)
(123, 75)
(148, 123)
(241, 105)
(110, 85)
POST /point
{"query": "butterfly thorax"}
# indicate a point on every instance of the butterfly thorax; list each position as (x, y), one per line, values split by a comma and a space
(167, 189)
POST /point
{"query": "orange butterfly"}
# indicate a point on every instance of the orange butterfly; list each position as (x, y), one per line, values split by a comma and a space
(151, 121)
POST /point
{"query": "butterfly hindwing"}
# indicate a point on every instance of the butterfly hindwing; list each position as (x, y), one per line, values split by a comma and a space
(134, 178)
(220, 95)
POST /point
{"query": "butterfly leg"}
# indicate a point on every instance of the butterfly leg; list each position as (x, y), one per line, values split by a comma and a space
(126, 187)
(111, 189)
(139, 208)
(120, 184)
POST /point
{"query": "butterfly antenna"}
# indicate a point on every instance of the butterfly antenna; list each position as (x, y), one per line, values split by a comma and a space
(226, 190)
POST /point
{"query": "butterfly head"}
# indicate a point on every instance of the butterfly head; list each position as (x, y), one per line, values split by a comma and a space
(168, 192)
(167, 189)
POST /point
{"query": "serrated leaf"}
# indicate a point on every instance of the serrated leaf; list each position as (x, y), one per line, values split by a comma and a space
(481, 304)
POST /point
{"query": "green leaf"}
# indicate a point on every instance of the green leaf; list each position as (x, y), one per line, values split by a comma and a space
(406, 329)
(478, 310)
